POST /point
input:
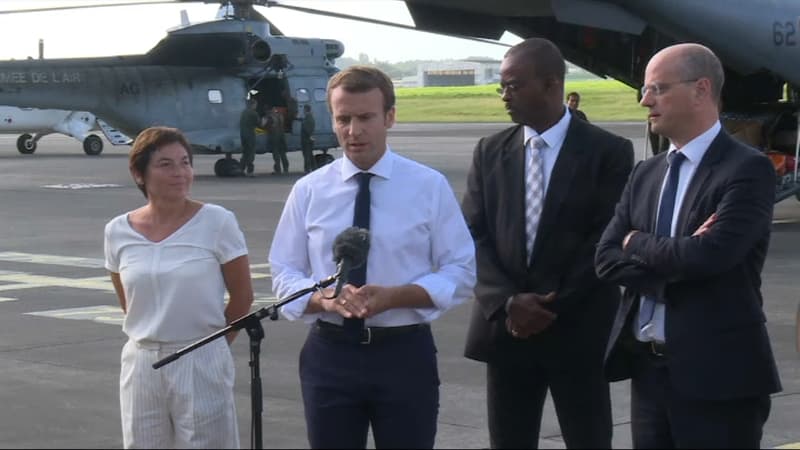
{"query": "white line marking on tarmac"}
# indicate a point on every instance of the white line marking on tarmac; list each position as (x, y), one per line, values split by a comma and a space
(16, 280)
(113, 315)
(103, 314)
(74, 186)
(21, 280)
(92, 263)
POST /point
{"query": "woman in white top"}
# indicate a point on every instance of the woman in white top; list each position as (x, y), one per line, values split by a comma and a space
(171, 261)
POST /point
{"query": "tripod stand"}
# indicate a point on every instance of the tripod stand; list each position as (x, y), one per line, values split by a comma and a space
(252, 325)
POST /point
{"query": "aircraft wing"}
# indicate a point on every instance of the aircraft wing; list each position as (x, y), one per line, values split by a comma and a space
(489, 19)
(591, 34)
(616, 38)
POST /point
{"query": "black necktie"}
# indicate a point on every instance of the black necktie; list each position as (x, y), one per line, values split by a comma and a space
(358, 275)
(664, 222)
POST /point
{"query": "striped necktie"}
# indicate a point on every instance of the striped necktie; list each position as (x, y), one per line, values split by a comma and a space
(534, 191)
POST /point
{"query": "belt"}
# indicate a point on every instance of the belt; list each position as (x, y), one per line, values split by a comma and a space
(369, 335)
(653, 348)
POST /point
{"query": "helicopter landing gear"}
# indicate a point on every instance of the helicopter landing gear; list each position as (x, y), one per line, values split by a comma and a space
(322, 159)
(227, 167)
(92, 145)
(26, 144)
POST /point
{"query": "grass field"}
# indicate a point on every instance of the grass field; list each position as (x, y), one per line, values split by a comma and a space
(601, 100)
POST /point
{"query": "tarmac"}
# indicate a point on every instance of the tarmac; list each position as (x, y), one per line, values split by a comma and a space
(60, 334)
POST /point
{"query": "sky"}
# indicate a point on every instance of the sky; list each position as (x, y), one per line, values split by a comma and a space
(125, 30)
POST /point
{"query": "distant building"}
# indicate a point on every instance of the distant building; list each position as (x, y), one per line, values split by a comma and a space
(464, 72)
(410, 81)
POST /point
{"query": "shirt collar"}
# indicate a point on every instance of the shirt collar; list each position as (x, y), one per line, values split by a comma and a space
(553, 136)
(382, 168)
(695, 149)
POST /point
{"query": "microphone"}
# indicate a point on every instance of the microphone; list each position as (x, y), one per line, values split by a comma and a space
(350, 250)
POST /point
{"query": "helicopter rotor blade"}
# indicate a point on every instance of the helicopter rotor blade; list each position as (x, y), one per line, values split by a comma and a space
(250, 4)
(273, 3)
(98, 5)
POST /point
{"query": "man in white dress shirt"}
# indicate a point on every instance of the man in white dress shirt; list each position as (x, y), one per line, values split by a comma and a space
(370, 358)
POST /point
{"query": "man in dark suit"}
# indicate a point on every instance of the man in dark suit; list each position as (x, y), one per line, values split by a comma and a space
(573, 103)
(539, 194)
(688, 242)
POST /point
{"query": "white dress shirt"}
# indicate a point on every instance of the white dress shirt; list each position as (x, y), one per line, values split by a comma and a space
(554, 138)
(174, 289)
(417, 236)
(694, 151)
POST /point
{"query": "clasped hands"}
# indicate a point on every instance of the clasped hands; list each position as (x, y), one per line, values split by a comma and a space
(527, 314)
(356, 302)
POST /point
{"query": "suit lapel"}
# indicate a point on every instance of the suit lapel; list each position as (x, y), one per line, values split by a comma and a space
(561, 180)
(513, 168)
(704, 171)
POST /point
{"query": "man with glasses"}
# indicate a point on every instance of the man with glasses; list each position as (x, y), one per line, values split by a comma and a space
(688, 242)
(539, 194)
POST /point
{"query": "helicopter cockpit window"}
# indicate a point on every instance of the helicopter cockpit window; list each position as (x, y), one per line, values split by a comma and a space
(319, 95)
(214, 96)
(302, 95)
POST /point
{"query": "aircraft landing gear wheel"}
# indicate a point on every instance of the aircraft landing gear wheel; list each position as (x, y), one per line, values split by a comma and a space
(92, 145)
(227, 167)
(25, 144)
(322, 159)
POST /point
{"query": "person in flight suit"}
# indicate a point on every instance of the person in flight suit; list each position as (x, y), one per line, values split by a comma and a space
(307, 139)
(277, 141)
(248, 122)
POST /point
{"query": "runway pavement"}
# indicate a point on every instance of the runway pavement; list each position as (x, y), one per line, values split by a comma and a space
(60, 335)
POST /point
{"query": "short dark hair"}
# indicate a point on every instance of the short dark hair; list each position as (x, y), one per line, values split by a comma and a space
(362, 79)
(574, 94)
(147, 142)
(549, 62)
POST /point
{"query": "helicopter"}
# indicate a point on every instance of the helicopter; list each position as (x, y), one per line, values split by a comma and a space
(198, 79)
(34, 124)
(756, 40)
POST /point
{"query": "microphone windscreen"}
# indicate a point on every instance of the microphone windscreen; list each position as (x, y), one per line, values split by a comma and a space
(352, 244)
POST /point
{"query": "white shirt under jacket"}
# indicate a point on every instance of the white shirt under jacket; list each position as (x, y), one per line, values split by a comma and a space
(417, 236)
(174, 288)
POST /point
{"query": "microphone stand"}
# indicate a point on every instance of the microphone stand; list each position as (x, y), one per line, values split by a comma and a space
(252, 324)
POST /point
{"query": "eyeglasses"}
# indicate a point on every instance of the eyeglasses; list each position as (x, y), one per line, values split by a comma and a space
(510, 87)
(660, 88)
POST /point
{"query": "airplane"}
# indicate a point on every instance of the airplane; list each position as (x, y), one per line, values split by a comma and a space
(35, 124)
(197, 79)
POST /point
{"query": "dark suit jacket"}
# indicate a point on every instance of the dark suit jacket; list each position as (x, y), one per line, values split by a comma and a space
(586, 182)
(579, 114)
(717, 342)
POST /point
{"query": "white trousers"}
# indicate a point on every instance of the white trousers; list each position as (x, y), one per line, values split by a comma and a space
(187, 403)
